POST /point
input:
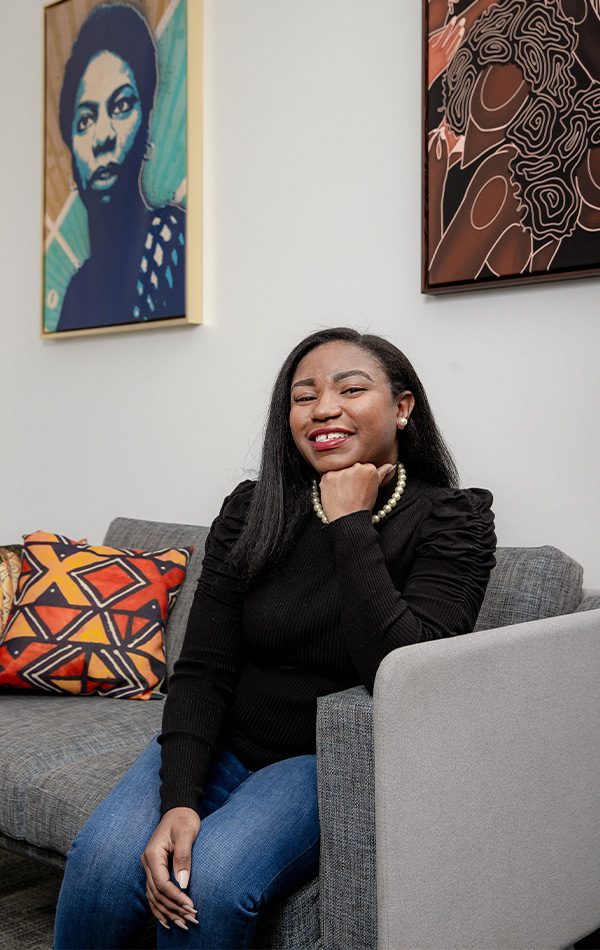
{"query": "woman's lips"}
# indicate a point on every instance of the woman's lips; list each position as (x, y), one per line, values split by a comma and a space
(105, 177)
(322, 441)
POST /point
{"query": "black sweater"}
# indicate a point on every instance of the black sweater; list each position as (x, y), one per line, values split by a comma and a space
(253, 663)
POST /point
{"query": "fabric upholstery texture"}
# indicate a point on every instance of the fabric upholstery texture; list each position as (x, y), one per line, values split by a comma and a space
(10, 568)
(487, 777)
(292, 922)
(89, 619)
(65, 733)
(591, 601)
(529, 583)
(347, 811)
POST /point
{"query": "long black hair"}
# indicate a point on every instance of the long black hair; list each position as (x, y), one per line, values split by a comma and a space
(280, 502)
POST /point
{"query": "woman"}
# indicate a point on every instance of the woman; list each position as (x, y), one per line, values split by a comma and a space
(351, 543)
(136, 268)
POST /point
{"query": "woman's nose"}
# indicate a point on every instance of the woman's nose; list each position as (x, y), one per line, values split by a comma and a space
(326, 407)
(105, 134)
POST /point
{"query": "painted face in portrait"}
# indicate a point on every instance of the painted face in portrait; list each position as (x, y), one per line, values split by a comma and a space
(107, 130)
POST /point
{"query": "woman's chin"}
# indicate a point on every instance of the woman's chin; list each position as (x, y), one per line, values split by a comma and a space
(332, 463)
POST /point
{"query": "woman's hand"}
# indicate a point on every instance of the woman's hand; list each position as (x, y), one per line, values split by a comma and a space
(352, 489)
(175, 835)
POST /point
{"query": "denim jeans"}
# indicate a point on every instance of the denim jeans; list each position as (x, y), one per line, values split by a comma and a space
(259, 839)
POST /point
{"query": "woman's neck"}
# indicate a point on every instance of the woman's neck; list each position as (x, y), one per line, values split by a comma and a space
(116, 228)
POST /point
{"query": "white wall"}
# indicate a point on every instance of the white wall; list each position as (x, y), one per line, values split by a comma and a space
(312, 218)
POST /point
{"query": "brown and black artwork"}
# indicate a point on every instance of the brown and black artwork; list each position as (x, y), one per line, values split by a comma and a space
(512, 150)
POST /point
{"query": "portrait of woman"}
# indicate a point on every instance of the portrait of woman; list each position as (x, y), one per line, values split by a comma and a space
(513, 140)
(354, 540)
(134, 267)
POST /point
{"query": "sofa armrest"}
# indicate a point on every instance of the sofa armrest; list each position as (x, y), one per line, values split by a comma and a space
(487, 785)
(347, 815)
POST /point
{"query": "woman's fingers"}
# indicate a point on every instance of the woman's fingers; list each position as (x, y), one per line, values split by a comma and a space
(184, 833)
(179, 919)
(171, 844)
(349, 489)
(165, 905)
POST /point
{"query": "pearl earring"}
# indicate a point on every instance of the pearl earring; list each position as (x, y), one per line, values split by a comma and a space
(402, 422)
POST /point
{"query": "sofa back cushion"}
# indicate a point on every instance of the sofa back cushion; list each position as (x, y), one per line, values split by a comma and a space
(149, 536)
(526, 584)
(530, 584)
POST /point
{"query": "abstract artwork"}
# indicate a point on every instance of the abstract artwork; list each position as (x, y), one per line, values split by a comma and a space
(116, 229)
(511, 183)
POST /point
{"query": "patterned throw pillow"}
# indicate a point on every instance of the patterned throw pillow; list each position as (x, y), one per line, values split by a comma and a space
(10, 568)
(90, 619)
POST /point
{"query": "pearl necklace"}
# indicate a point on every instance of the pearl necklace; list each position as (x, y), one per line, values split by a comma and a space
(375, 519)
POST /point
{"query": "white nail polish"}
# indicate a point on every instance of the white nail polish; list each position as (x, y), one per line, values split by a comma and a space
(183, 879)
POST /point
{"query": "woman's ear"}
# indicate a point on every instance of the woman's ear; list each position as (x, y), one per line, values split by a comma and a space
(406, 404)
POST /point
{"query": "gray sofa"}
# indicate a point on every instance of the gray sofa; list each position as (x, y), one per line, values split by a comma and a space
(61, 756)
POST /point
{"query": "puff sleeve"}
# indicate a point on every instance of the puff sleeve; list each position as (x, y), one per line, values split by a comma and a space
(397, 590)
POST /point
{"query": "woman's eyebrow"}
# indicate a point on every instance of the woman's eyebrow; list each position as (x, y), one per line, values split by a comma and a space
(120, 89)
(337, 377)
(303, 382)
(350, 372)
(86, 104)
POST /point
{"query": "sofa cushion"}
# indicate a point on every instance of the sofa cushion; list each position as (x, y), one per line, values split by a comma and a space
(133, 532)
(530, 584)
(590, 600)
(90, 619)
(65, 755)
(291, 922)
(46, 821)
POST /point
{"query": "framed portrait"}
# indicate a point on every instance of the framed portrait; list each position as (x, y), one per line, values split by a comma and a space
(511, 142)
(122, 173)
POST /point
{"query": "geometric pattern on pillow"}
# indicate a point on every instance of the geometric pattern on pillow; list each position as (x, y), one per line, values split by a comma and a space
(90, 619)
(10, 568)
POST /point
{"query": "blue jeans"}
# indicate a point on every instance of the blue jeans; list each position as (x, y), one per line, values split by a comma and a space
(259, 839)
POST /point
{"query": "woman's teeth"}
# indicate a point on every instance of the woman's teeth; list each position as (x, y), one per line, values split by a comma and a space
(329, 436)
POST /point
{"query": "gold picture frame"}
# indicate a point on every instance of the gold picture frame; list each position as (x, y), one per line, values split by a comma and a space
(122, 166)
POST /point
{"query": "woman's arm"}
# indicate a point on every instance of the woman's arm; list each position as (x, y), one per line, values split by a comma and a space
(201, 688)
(444, 584)
(199, 693)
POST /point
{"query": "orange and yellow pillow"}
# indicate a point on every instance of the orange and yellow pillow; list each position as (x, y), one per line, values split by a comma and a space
(89, 619)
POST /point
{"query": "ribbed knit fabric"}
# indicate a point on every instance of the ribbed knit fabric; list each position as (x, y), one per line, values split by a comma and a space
(254, 663)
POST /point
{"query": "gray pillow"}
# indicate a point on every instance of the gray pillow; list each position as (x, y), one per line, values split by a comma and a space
(529, 584)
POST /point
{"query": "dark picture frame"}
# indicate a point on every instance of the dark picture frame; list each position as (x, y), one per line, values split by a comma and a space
(511, 142)
(122, 171)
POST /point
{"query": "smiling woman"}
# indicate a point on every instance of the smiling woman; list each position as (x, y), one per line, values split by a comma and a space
(295, 601)
(136, 267)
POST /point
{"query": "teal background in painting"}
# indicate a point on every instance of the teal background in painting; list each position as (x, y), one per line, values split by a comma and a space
(162, 176)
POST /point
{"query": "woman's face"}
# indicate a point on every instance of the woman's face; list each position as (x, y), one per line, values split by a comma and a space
(106, 120)
(342, 410)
